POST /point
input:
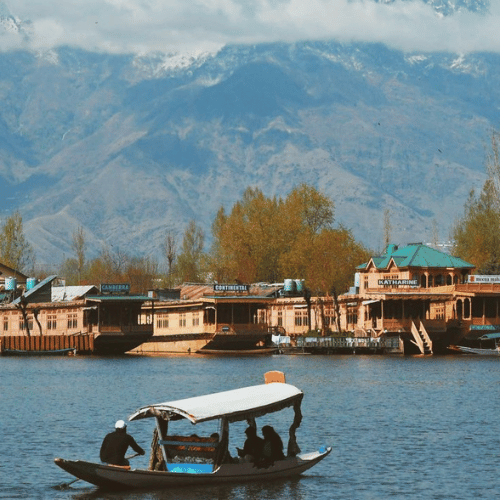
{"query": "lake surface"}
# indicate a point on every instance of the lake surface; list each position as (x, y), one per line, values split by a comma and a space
(401, 427)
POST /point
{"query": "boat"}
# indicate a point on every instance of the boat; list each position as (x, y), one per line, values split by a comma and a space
(258, 351)
(475, 350)
(70, 351)
(183, 460)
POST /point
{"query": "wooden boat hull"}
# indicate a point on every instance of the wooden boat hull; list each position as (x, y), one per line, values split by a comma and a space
(239, 352)
(109, 476)
(53, 352)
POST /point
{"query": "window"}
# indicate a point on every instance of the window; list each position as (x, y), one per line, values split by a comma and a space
(280, 318)
(301, 318)
(196, 319)
(162, 321)
(329, 317)
(261, 316)
(22, 324)
(182, 320)
(51, 322)
(72, 320)
(352, 316)
(5, 323)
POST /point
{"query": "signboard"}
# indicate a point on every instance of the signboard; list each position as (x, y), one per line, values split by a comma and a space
(390, 282)
(115, 288)
(483, 278)
(231, 288)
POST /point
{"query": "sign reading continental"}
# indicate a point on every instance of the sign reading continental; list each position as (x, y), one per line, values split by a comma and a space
(484, 278)
(390, 282)
(115, 287)
(231, 288)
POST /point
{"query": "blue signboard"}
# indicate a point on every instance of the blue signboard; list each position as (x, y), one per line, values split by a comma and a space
(115, 288)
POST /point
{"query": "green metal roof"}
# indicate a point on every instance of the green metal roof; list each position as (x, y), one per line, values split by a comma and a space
(118, 298)
(416, 255)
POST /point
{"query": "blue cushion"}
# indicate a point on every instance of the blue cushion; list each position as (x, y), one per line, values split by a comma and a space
(191, 468)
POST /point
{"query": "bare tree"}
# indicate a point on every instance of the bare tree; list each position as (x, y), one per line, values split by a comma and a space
(387, 227)
(169, 248)
(78, 244)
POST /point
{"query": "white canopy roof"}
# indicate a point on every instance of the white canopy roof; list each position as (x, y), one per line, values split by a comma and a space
(238, 404)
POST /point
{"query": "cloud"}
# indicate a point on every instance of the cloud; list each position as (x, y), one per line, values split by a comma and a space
(186, 25)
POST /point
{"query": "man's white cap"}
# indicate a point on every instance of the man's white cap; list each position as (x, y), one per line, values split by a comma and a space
(120, 424)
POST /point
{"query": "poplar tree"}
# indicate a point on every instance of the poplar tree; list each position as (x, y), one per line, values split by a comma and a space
(476, 234)
(190, 260)
(78, 244)
(15, 250)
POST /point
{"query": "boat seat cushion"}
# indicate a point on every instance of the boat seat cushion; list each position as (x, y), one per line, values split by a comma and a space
(191, 468)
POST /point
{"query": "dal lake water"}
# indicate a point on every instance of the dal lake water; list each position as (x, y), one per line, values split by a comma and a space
(401, 427)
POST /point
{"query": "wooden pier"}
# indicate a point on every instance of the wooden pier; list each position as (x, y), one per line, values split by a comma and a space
(84, 344)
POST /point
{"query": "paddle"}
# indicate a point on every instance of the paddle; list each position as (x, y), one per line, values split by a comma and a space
(67, 485)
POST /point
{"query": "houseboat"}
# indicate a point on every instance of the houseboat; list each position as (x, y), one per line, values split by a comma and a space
(210, 319)
(45, 318)
(427, 297)
(415, 294)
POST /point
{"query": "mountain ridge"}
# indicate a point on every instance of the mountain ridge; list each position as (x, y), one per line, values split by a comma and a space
(130, 147)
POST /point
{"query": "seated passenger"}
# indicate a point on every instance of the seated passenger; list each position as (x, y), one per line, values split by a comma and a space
(252, 449)
(273, 446)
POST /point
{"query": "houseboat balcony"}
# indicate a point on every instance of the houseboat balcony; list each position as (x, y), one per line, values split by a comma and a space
(398, 325)
(236, 329)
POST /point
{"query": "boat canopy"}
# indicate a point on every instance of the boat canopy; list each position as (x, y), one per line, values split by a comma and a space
(234, 405)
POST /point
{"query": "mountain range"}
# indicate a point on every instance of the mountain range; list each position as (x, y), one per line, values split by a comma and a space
(132, 146)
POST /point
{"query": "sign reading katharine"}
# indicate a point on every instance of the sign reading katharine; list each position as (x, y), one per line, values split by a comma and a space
(390, 282)
(231, 288)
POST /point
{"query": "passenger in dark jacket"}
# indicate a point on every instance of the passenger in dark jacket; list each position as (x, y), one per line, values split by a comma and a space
(115, 445)
(273, 445)
(252, 449)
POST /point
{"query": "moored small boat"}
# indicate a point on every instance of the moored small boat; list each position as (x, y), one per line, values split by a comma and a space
(71, 351)
(475, 350)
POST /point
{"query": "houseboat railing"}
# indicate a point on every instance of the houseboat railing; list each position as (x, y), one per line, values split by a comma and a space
(122, 328)
(350, 342)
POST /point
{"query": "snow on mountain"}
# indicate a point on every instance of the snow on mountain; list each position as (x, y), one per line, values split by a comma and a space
(130, 146)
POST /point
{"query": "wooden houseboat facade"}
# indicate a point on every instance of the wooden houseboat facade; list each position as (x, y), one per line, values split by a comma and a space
(210, 319)
(427, 297)
(46, 318)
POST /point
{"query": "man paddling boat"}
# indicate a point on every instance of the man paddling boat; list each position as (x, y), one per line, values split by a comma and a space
(115, 445)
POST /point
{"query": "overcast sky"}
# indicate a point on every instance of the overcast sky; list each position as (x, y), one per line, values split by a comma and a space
(200, 25)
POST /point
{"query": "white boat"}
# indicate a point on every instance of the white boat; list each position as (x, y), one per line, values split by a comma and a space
(178, 460)
(475, 350)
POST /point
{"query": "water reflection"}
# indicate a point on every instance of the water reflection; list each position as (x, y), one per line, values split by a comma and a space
(292, 489)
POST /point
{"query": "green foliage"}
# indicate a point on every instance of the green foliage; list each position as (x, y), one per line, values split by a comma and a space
(15, 250)
(269, 239)
(477, 234)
